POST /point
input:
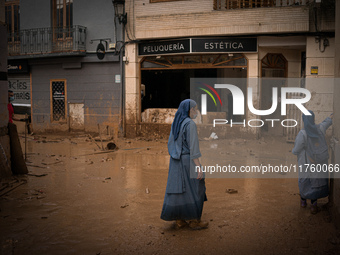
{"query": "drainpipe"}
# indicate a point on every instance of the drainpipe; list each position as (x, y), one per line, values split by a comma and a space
(122, 66)
(121, 17)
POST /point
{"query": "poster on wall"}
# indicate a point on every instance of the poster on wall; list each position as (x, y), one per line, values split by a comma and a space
(21, 89)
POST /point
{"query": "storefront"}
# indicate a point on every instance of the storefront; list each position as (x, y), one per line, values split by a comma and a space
(20, 83)
(166, 68)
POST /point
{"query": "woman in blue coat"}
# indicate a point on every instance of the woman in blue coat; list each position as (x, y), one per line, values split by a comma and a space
(185, 190)
(312, 185)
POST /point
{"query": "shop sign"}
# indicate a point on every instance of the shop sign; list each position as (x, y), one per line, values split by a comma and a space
(314, 70)
(117, 78)
(16, 67)
(21, 90)
(198, 45)
(164, 47)
(224, 45)
(100, 51)
(58, 95)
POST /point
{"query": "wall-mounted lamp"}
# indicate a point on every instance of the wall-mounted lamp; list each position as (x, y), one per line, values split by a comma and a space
(119, 6)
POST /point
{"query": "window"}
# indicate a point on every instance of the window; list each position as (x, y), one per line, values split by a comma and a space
(58, 100)
(62, 15)
(12, 17)
(274, 65)
(235, 60)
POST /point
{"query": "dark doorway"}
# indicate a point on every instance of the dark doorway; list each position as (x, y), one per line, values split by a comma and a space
(167, 88)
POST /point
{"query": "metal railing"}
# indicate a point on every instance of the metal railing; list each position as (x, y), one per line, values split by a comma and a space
(47, 41)
(242, 4)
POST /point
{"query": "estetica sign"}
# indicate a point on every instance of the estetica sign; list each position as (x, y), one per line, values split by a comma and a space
(225, 45)
(201, 45)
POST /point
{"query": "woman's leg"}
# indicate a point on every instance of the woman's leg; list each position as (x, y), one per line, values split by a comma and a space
(181, 223)
(314, 206)
(198, 224)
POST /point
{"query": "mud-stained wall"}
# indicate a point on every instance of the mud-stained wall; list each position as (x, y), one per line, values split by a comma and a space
(91, 84)
(321, 85)
(3, 78)
(336, 118)
(132, 90)
(4, 138)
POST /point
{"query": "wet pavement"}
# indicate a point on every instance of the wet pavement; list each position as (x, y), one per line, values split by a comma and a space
(78, 199)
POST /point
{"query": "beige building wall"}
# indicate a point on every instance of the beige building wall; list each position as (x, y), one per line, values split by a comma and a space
(197, 17)
(132, 88)
(253, 82)
(321, 85)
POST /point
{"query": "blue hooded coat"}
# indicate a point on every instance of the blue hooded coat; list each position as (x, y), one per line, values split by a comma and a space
(185, 194)
(312, 185)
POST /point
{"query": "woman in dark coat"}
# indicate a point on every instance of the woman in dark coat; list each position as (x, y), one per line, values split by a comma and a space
(185, 190)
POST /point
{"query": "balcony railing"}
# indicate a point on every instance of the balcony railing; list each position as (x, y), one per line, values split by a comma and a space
(242, 4)
(32, 42)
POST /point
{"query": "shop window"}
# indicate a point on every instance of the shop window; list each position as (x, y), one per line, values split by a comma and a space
(192, 59)
(208, 59)
(58, 100)
(231, 60)
(165, 82)
(175, 60)
(195, 61)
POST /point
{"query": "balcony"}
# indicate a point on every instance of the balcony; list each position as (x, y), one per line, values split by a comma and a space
(47, 42)
(244, 4)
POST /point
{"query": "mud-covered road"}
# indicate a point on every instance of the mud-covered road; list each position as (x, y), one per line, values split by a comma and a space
(78, 200)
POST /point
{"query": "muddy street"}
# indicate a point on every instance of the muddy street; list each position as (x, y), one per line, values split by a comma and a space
(78, 199)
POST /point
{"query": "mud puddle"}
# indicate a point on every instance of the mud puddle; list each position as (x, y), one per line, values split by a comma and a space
(82, 200)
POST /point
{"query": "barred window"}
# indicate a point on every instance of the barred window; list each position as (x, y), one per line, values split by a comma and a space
(58, 100)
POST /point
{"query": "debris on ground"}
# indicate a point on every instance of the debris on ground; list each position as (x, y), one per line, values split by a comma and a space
(213, 136)
(37, 175)
(8, 187)
(231, 191)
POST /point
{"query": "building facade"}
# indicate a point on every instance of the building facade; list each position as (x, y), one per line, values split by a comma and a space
(63, 63)
(4, 137)
(69, 62)
(173, 41)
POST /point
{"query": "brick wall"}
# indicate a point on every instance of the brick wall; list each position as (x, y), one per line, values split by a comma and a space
(197, 18)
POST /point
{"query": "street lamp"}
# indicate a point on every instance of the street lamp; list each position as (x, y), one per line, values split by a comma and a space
(119, 6)
(120, 14)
